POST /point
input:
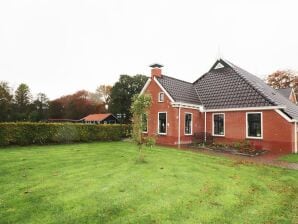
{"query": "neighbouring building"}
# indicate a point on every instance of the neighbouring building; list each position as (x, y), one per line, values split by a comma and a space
(289, 93)
(227, 103)
(100, 119)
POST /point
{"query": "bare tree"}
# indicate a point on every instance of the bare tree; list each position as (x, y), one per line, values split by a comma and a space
(104, 93)
(283, 79)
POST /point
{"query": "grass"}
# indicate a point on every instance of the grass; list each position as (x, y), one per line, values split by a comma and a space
(291, 158)
(103, 183)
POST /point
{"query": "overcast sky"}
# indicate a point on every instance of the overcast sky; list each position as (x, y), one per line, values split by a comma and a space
(59, 47)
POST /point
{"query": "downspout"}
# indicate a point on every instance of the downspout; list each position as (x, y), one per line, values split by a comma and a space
(205, 128)
(295, 136)
(179, 112)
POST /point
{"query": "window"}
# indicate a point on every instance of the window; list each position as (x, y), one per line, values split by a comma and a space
(254, 125)
(219, 65)
(161, 97)
(188, 124)
(218, 124)
(145, 123)
(162, 123)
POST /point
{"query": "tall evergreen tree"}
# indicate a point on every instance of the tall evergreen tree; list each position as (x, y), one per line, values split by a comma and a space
(22, 102)
(5, 102)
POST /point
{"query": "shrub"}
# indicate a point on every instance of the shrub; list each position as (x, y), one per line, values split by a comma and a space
(26, 133)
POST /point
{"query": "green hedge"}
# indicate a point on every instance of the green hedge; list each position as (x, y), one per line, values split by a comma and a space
(44, 133)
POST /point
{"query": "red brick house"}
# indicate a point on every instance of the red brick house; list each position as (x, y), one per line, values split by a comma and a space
(227, 103)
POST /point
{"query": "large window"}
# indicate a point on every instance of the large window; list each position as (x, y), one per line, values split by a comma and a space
(162, 123)
(145, 123)
(188, 124)
(254, 125)
(218, 124)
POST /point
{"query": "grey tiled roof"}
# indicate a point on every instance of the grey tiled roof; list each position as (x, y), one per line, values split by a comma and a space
(179, 90)
(227, 86)
(286, 92)
(270, 93)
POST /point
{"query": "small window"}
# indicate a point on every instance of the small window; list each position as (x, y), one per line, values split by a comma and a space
(161, 97)
(162, 123)
(254, 125)
(218, 124)
(188, 124)
(218, 66)
(145, 123)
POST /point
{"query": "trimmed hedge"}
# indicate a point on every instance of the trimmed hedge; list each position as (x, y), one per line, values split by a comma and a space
(27, 133)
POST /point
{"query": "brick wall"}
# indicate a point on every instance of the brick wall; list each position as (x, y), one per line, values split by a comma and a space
(278, 134)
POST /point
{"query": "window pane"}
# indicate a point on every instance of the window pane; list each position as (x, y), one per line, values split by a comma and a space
(254, 125)
(162, 123)
(218, 124)
(188, 123)
(144, 123)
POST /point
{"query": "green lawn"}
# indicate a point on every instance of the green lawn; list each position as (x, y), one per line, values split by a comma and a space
(292, 158)
(102, 183)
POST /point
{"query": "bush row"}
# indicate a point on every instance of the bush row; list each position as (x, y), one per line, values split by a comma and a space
(44, 133)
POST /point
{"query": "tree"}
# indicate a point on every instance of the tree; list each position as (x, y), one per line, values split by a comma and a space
(5, 102)
(104, 92)
(121, 95)
(75, 106)
(282, 79)
(56, 109)
(40, 108)
(139, 109)
(22, 102)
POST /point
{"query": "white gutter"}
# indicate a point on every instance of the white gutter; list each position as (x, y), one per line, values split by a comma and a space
(284, 116)
(179, 132)
(187, 105)
(205, 127)
(295, 137)
(246, 108)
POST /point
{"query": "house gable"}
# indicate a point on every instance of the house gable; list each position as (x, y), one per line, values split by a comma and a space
(224, 86)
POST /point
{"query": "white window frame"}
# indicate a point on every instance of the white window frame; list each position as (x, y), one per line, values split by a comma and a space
(191, 124)
(224, 123)
(145, 132)
(159, 94)
(246, 126)
(166, 123)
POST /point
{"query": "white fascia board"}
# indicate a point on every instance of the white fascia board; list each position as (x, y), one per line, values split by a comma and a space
(284, 116)
(245, 109)
(187, 105)
(145, 86)
(163, 89)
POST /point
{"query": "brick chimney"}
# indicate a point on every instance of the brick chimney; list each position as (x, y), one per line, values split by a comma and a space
(156, 70)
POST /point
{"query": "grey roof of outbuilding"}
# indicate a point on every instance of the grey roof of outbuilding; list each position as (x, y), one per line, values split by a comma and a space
(227, 87)
(286, 92)
(180, 91)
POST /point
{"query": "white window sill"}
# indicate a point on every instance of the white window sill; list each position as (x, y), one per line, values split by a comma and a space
(218, 135)
(254, 137)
